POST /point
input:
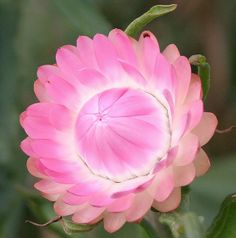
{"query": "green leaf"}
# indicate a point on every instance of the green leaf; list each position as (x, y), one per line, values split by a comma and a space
(204, 72)
(224, 224)
(139, 23)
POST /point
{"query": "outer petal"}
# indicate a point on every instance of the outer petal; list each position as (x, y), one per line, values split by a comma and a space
(183, 74)
(124, 47)
(50, 187)
(107, 58)
(63, 209)
(149, 51)
(184, 175)
(187, 150)
(41, 92)
(33, 169)
(195, 89)
(206, 127)
(87, 213)
(201, 163)
(121, 204)
(162, 76)
(114, 221)
(139, 207)
(171, 53)
(171, 203)
(86, 52)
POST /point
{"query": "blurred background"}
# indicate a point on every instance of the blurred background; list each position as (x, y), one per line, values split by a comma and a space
(30, 33)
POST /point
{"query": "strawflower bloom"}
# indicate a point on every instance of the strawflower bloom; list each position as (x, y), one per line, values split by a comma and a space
(118, 129)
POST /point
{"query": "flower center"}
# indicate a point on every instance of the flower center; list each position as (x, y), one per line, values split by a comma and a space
(122, 133)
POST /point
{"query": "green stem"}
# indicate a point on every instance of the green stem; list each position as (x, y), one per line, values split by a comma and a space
(149, 229)
(139, 23)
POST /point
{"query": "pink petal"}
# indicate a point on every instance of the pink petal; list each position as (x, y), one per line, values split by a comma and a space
(124, 47)
(86, 52)
(41, 92)
(48, 148)
(39, 128)
(206, 127)
(195, 89)
(113, 221)
(121, 204)
(61, 166)
(171, 53)
(74, 200)
(106, 56)
(187, 150)
(131, 185)
(63, 209)
(165, 185)
(69, 62)
(139, 208)
(27, 148)
(149, 50)
(184, 175)
(179, 127)
(101, 199)
(183, 73)
(196, 113)
(162, 78)
(33, 169)
(50, 197)
(61, 92)
(89, 187)
(171, 203)
(57, 115)
(87, 214)
(50, 187)
(201, 163)
(91, 79)
(133, 74)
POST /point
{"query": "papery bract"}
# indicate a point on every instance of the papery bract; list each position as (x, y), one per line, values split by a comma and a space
(118, 129)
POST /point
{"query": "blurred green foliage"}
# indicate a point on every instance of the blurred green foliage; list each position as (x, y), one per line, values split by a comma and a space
(30, 33)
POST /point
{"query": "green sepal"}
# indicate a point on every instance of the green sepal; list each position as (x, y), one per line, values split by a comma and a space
(71, 228)
(224, 224)
(183, 224)
(204, 72)
(139, 23)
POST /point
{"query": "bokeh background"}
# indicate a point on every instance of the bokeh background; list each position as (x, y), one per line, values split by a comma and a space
(30, 33)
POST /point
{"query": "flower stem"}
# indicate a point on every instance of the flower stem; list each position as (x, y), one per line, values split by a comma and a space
(152, 233)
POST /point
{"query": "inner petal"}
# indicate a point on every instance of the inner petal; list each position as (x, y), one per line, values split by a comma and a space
(121, 133)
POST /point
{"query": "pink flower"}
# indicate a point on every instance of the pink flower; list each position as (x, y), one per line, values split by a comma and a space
(118, 129)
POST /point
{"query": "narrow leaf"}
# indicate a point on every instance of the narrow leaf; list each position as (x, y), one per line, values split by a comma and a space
(139, 23)
(204, 72)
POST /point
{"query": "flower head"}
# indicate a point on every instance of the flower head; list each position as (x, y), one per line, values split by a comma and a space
(118, 129)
